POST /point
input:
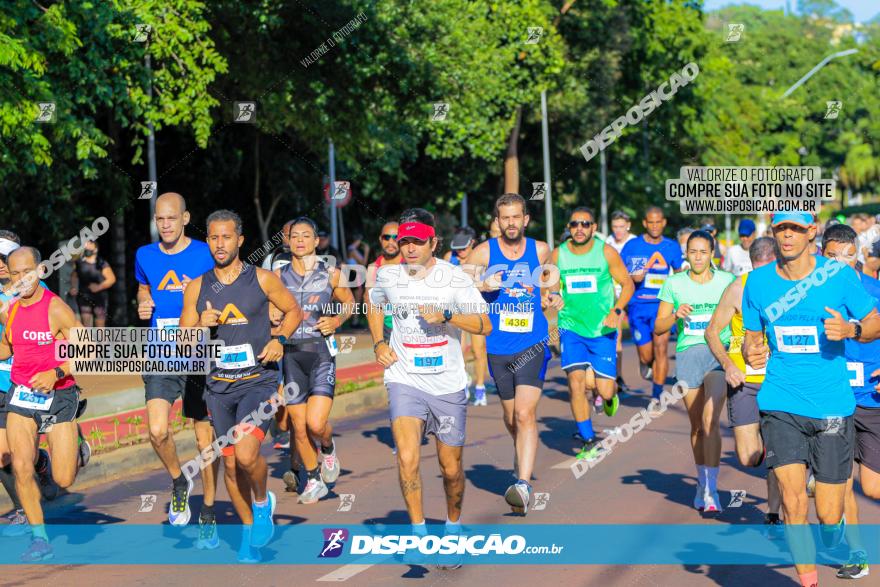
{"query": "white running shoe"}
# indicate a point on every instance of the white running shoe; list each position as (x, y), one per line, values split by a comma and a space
(713, 502)
(315, 490)
(330, 466)
(699, 500)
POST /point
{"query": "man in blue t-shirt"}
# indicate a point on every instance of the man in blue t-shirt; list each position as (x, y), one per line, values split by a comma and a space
(648, 258)
(803, 303)
(163, 270)
(863, 362)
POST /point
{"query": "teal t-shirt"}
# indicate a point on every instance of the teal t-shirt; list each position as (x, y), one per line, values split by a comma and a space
(703, 298)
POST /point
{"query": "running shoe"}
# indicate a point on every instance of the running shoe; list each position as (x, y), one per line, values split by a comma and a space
(292, 481)
(811, 486)
(39, 550)
(856, 567)
(85, 449)
(264, 528)
(621, 384)
(315, 489)
(646, 371)
(518, 497)
(590, 450)
(81, 408)
(700, 497)
(654, 409)
(480, 396)
(208, 537)
(178, 511)
(832, 535)
(18, 524)
(282, 441)
(713, 502)
(597, 401)
(48, 487)
(450, 562)
(611, 406)
(774, 528)
(247, 553)
(330, 466)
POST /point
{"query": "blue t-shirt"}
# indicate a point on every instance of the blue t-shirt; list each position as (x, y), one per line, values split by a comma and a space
(806, 373)
(863, 358)
(656, 260)
(165, 273)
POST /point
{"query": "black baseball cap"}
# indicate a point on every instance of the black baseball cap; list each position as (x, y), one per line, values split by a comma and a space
(463, 237)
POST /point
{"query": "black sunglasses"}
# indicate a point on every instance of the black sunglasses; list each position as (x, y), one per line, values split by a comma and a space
(388, 237)
(582, 223)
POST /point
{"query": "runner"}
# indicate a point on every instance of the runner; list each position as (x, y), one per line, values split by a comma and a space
(620, 235)
(806, 402)
(163, 270)
(460, 249)
(517, 347)
(682, 237)
(310, 359)
(18, 523)
(588, 320)
(390, 255)
(233, 300)
(737, 259)
(280, 257)
(648, 259)
(863, 362)
(743, 383)
(44, 396)
(423, 361)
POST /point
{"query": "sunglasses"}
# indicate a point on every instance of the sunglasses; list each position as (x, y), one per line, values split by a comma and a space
(581, 223)
(388, 237)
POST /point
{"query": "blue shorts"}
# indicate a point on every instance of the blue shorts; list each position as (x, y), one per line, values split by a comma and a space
(641, 321)
(598, 354)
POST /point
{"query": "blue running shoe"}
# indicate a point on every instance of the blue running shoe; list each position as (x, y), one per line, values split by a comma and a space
(264, 527)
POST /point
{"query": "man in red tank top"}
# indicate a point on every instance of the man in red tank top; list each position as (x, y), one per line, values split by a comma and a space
(44, 396)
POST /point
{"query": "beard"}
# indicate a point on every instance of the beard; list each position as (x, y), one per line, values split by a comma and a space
(230, 258)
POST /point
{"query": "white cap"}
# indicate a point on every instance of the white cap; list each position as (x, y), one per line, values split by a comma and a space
(7, 246)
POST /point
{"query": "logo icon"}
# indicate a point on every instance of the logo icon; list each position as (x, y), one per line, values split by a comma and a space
(734, 32)
(334, 540)
(736, 498)
(47, 112)
(46, 422)
(541, 501)
(341, 189)
(141, 33)
(346, 500)
(245, 112)
(535, 33)
(231, 315)
(446, 424)
(147, 503)
(171, 282)
(539, 190)
(441, 109)
(833, 425)
(346, 344)
(148, 190)
(832, 108)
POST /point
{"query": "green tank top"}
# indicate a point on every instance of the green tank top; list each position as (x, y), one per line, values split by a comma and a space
(587, 289)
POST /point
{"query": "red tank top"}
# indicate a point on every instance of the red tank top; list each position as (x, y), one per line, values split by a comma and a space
(33, 341)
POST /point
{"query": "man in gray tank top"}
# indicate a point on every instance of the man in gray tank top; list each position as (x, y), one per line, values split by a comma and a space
(233, 301)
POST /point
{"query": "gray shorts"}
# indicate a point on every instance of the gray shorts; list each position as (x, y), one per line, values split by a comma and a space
(445, 416)
(693, 363)
(742, 404)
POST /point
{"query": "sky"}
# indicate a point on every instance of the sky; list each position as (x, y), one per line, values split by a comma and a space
(862, 9)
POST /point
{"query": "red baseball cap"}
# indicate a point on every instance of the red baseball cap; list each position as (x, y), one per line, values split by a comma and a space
(416, 230)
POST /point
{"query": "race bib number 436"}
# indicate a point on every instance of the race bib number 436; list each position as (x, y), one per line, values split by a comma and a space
(515, 321)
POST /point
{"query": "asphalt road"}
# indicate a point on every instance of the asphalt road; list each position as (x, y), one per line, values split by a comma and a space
(647, 480)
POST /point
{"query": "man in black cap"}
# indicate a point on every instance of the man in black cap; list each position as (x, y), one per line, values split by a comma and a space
(324, 247)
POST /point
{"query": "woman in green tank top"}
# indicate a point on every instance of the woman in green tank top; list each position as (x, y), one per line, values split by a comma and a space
(688, 300)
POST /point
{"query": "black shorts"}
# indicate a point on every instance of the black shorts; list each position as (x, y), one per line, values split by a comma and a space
(867, 450)
(742, 404)
(227, 410)
(171, 387)
(826, 444)
(313, 370)
(63, 409)
(526, 367)
(3, 411)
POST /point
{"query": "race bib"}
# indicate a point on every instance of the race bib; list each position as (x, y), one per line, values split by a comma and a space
(428, 358)
(695, 324)
(797, 339)
(25, 397)
(750, 371)
(858, 370)
(515, 321)
(236, 357)
(331, 345)
(655, 280)
(579, 284)
(6, 367)
(167, 323)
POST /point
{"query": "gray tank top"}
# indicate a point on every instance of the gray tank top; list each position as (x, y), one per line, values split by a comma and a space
(313, 293)
(244, 328)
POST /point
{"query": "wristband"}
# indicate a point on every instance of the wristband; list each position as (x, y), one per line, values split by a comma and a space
(377, 344)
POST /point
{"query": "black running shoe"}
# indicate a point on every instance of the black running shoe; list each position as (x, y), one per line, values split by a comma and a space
(48, 487)
(856, 567)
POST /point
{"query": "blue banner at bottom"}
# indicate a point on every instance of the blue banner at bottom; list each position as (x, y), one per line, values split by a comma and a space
(526, 544)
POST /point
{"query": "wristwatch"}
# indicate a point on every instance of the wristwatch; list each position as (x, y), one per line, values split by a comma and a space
(447, 315)
(59, 373)
(618, 311)
(857, 326)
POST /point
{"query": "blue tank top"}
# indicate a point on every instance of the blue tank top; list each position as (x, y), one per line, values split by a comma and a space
(515, 310)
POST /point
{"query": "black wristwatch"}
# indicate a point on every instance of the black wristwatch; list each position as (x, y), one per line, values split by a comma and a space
(59, 373)
(447, 315)
(857, 326)
(618, 311)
